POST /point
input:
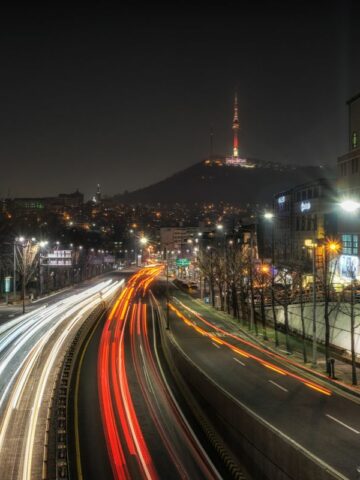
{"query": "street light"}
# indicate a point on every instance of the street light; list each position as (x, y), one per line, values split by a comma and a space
(350, 205)
(270, 217)
(143, 240)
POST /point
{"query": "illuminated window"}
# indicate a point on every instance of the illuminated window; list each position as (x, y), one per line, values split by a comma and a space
(354, 140)
(349, 244)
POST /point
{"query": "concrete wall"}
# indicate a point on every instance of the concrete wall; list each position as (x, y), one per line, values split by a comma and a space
(339, 322)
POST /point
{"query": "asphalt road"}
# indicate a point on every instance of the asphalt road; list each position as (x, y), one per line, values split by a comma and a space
(327, 425)
(91, 451)
(130, 406)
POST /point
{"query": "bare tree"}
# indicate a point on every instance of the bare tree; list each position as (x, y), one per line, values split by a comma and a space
(330, 249)
(285, 295)
(27, 262)
(350, 308)
(262, 286)
(206, 265)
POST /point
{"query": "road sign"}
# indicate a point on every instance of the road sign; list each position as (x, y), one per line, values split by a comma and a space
(182, 262)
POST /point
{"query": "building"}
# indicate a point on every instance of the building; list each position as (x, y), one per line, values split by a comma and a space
(177, 238)
(303, 215)
(52, 204)
(72, 200)
(348, 185)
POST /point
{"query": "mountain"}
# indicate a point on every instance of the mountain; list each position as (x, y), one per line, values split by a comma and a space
(213, 181)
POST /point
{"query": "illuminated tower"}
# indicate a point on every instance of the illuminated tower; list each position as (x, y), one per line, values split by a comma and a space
(98, 193)
(235, 128)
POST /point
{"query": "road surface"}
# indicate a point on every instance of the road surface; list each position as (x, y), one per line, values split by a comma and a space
(321, 420)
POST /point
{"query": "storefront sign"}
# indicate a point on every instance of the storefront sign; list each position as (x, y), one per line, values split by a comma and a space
(304, 206)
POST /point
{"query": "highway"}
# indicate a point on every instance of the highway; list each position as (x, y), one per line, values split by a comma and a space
(146, 432)
(31, 349)
(321, 420)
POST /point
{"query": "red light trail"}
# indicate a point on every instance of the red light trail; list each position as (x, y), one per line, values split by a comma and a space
(122, 430)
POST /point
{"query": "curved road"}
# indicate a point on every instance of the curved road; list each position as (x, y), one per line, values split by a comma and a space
(130, 407)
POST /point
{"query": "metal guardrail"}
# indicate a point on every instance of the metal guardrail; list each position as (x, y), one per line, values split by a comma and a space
(56, 434)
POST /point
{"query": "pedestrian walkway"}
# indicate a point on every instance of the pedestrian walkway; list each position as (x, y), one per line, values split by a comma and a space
(343, 369)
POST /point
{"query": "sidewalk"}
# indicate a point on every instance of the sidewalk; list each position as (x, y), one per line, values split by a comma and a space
(343, 369)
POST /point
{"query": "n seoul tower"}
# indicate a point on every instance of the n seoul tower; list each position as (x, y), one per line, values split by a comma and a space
(235, 127)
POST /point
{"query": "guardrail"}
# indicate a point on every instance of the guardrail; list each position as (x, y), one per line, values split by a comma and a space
(56, 436)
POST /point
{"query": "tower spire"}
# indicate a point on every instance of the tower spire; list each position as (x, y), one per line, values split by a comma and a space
(235, 127)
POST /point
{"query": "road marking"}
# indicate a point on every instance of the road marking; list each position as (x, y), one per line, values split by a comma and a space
(343, 424)
(279, 386)
(216, 345)
(11, 315)
(239, 361)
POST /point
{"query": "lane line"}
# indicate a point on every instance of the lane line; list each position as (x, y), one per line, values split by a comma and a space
(216, 345)
(342, 423)
(239, 361)
(279, 386)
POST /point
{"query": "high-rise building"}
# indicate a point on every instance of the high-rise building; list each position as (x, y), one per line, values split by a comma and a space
(348, 184)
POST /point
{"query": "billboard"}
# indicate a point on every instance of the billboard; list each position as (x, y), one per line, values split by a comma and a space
(58, 258)
(349, 266)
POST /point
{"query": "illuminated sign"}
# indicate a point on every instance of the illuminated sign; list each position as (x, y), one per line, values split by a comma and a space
(58, 258)
(281, 199)
(7, 284)
(305, 206)
(182, 262)
(349, 266)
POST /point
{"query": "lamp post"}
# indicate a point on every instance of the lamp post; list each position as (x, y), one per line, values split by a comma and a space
(270, 217)
(143, 242)
(314, 344)
(42, 244)
(167, 289)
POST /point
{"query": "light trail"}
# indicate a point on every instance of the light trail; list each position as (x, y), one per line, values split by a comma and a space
(19, 340)
(22, 347)
(271, 366)
(117, 409)
(128, 451)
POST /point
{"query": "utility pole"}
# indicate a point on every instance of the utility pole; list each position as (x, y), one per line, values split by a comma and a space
(167, 290)
(252, 309)
(314, 345)
(14, 280)
(23, 277)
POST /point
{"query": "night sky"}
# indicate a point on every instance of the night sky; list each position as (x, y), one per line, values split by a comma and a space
(126, 97)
